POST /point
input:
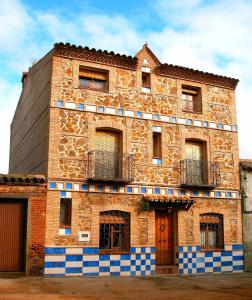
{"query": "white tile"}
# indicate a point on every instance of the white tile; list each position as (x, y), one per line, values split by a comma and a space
(234, 195)
(115, 269)
(197, 123)
(156, 128)
(135, 190)
(226, 258)
(228, 247)
(115, 257)
(107, 188)
(73, 264)
(200, 265)
(212, 125)
(61, 231)
(147, 116)
(208, 259)
(216, 254)
(49, 271)
(68, 195)
(60, 186)
(164, 118)
(143, 268)
(73, 274)
(185, 271)
(90, 270)
(90, 107)
(138, 250)
(127, 273)
(217, 264)
(153, 256)
(154, 161)
(185, 260)
(227, 127)
(238, 253)
(189, 255)
(110, 110)
(238, 262)
(209, 269)
(223, 194)
(70, 105)
(125, 263)
(200, 254)
(92, 188)
(76, 187)
(74, 250)
(121, 189)
(146, 90)
(153, 267)
(90, 257)
(212, 194)
(146, 69)
(55, 258)
(226, 268)
(129, 113)
(181, 121)
(163, 191)
(149, 191)
(104, 263)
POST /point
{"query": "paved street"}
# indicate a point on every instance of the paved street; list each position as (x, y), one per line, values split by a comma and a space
(238, 286)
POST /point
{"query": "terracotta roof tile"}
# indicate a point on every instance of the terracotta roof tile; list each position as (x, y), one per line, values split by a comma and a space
(196, 75)
(18, 179)
(93, 55)
(246, 164)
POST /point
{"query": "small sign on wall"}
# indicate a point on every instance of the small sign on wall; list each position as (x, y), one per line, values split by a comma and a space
(83, 236)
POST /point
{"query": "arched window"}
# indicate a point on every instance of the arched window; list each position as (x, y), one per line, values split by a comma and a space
(114, 231)
(211, 231)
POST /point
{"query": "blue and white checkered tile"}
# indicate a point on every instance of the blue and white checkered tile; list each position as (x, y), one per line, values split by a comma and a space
(228, 260)
(88, 262)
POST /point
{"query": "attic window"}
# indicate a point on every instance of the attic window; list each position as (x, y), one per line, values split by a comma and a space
(146, 82)
(191, 99)
(93, 79)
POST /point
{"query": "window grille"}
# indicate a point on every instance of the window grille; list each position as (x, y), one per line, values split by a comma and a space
(114, 231)
(211, 231)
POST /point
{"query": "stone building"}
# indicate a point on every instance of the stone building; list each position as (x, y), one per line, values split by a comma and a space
(141, 159)
(246, 188)
(22, 219)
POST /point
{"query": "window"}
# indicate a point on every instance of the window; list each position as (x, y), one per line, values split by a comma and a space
(94, 79)
(65, 212)
(146, 82)
(107, 155)
(114, 231)
(196, 166)
(157, 145)
(211, 231)
(191, 99)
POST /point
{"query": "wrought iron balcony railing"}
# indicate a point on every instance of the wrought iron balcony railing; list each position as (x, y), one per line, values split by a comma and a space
(110, 166)
(199, 173)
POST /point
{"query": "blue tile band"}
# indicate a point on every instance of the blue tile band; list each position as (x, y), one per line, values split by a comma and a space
(141, 261)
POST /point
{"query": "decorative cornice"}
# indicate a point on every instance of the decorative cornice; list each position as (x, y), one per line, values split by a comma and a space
(18, 179)
(97, 56)
(196, 75)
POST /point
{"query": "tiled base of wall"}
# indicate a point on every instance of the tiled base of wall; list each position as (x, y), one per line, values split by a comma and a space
(192, 261)
(88, 262)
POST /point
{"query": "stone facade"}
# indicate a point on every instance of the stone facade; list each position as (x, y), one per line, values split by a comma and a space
(246, 187)
(75, 115)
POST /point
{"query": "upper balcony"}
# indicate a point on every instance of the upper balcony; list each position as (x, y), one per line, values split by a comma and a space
(110, 167)
(199, 174)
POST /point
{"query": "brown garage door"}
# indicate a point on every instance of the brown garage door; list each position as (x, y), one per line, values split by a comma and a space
(12, 234)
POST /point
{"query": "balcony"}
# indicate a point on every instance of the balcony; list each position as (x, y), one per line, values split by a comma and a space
(199, 174)
(110, 167)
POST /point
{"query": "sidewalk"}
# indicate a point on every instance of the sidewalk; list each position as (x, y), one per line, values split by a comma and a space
(228, 286)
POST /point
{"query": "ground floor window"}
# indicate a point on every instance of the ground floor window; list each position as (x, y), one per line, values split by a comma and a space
(115, 231)
(211, 231)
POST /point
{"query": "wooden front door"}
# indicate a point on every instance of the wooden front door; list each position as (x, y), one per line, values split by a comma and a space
(164, 237)
(12, 235)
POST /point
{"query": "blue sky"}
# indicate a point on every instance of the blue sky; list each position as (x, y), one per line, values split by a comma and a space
(213, 36)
